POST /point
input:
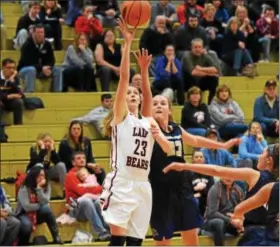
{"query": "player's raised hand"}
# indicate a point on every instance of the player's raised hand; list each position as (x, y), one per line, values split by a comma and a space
(126, 33)
(154, 131)
(175, 167)
(232, 142)
(143, 58)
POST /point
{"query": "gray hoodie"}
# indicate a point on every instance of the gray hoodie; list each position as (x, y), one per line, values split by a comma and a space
(24, 204)
(82, 58)
(219, 112)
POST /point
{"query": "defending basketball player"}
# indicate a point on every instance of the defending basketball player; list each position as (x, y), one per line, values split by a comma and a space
(127, 196)
(174, 206)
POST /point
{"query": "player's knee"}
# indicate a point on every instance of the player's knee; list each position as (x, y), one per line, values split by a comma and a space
(130, 241)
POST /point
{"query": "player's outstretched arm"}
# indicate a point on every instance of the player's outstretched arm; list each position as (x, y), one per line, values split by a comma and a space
(144, 61)
(120, 105)
(247, 174)
(198, 141)
(253, 202)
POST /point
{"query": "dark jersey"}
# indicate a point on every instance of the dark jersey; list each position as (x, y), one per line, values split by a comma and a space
(258, 215)
(160, 160)
(272, 225)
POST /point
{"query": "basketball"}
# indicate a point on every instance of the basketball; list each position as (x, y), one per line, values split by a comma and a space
(136, 13)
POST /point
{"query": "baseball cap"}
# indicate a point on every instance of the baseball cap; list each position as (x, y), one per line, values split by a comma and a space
(271, 83)
(211, 130)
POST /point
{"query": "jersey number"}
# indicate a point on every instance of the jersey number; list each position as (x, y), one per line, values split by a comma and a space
(176, 149)
(141, 147)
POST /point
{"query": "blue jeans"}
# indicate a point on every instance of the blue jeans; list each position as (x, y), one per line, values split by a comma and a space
(89, 210)
(197, 131)
(107, 21)
(241, 57)
(232, 130)
(29, 75)
(44, 214)
(265, 42)
(269, 130)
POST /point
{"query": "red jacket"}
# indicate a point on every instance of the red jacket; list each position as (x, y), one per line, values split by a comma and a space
(87, 26)
(73, 190)
(182, 12)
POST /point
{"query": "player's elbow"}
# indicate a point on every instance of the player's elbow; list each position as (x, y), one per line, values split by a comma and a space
(167, 147)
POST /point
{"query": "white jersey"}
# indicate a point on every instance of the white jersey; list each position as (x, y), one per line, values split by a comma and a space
(132, 146)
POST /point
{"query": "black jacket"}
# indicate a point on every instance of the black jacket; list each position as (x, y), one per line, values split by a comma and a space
(154, 41)
(230, 41)
(41, 156)
(32, 55)
(53, 17)
(9, 87)
(25, 22)
(65, 152)
(104, 5)
(191, 116)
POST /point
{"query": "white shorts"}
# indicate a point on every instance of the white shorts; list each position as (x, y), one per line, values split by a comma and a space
(127, 204)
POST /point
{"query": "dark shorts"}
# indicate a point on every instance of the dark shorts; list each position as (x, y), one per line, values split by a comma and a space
(174, 210)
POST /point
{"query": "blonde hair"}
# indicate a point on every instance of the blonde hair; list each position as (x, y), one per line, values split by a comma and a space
(247, 133)
(107, 130)
(82, 170)
(208, 6)
(41, 137)
(55, 7)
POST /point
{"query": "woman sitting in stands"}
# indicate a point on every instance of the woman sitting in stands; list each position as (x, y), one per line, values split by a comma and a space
(44, 152)
(108, 56)
(76, 142)
(33, 205)
(78, 66)
(51, 16)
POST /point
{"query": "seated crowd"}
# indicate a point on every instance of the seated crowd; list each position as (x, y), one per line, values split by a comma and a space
(191, 47)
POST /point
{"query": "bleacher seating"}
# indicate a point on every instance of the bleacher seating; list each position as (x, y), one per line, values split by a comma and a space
(60, 108)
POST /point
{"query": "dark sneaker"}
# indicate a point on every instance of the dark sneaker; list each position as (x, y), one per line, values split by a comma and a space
(105, 236)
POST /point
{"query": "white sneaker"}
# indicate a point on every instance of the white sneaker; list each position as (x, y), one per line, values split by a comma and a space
(168, 93)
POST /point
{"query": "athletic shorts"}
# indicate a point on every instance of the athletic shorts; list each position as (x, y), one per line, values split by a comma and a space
(127, 204)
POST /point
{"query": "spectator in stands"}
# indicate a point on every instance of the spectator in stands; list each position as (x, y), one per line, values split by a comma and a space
(9, 223)
(223, 196)
(136, 81)
(44, 152)
(200, 70)
(96, 116)
(221, 12)
(51, 17)
(268, 29)
(226, 114)
(76, 142)
(168, 77)
(164, 8)
(33, 205)
(108, 60)
(201, 183)
(78, 69)
(220, 157)
(3, 40)
(252, 145)
(82, 207)
(107, 11)
(25, 5)
(40, 63)
(189, 7)
(234, 52)
(195, 117)
(266, 109)
(155, 38)
(213, 27)
(26, 23)
(10, 91)
(74, 11)
(90, 26)
(249, 31)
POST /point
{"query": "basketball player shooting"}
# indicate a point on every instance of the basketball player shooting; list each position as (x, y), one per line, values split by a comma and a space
(127, 195)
